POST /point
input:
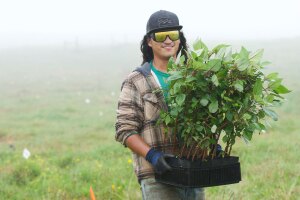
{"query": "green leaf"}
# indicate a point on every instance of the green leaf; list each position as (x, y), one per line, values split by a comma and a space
(246, 116)
(247, 135)
(244, 53)
(225, 138)
(221, 53)
(190, 79)
(176, 87)
(271, 113)
(257, 127)
(180, 99)
(270, 98)
(170, 62)
(275, 83)
(214, 79)
(200, 65)
(168, 119)
(213, 128)
(213, 107)
(214, 65)
(262, 127)
(174, 112)
(282, 90)
(182, 59)
(272, 76)
(218, 47)
(194, 54)
(227, 99)
(229, 116)
(199, 128)
(212, 141)
(246, 100)
(259, 99)
(228, 57)
(204, 54)
(177, 61)
(242, 59)
(257, 56)
(261, 114)
(198, 44)
(238, 85)
(194, 103)
(242, 64)
(174, 76)
(205, 143)
(257, 88)
(199, 53)
(203, 102)
(246, 140)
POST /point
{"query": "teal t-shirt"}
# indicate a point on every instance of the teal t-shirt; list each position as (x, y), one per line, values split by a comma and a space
(162, 78)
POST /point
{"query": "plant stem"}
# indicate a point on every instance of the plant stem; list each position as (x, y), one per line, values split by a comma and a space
(189, 152)
(174, 136)
(226, 148)
(197, 149)
(230, 150)
(182, 150)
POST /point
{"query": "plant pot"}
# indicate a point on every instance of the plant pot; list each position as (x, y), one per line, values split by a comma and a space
(212, 172)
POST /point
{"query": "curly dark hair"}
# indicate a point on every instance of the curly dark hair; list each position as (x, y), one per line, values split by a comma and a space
(148, 53)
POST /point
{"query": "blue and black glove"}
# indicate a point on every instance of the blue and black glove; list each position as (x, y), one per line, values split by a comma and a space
(219, 150)
(157, 159)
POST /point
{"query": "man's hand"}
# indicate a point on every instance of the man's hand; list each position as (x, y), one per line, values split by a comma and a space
(157, 159)
(219, 150)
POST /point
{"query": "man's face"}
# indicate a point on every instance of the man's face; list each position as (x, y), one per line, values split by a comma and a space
(164, 47)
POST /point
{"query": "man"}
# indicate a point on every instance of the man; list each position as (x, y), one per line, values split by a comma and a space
(139, 108)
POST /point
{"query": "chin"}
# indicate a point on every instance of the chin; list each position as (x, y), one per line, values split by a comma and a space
(171, 55)
(167, 57)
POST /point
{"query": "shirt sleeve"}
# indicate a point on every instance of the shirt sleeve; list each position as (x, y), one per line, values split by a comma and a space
(129, 113)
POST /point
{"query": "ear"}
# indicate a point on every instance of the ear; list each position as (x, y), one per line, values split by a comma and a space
(149, 41)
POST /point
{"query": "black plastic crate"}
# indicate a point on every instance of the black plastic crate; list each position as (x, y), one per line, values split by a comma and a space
(213, 172)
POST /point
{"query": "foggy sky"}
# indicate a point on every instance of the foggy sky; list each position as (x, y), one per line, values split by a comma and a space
(29, 22)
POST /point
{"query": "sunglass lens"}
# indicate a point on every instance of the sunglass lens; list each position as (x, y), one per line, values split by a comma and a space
(174, 35)
(161, 36)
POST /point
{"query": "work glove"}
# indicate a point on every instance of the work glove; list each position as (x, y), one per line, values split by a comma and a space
(157, 159)
(219, 150)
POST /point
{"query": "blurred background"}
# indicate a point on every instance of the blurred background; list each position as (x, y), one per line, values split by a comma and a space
(61, 67)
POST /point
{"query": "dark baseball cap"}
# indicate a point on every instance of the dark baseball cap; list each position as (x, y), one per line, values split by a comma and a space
(162, 20)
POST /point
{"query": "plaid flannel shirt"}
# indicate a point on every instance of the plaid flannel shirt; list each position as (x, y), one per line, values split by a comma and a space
(138, 110)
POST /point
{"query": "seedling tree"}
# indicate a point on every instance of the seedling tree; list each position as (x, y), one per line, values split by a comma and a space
(216, 94)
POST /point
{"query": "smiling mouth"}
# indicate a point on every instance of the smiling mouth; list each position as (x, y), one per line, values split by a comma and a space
(168, 45)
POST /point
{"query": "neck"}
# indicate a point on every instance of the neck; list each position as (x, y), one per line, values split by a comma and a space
(159, 64)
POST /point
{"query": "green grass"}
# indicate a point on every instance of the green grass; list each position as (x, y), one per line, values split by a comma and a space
(43, 109)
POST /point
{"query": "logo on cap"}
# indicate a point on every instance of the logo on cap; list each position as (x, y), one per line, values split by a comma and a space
(164, 21)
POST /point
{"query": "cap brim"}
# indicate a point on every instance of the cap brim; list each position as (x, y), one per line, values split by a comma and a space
(166, 28)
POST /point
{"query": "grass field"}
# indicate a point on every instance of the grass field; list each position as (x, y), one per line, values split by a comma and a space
(60, 104)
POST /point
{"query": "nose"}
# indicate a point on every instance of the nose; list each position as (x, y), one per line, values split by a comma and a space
(168, 40)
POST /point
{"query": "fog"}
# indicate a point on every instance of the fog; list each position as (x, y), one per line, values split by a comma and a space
(93, 22)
